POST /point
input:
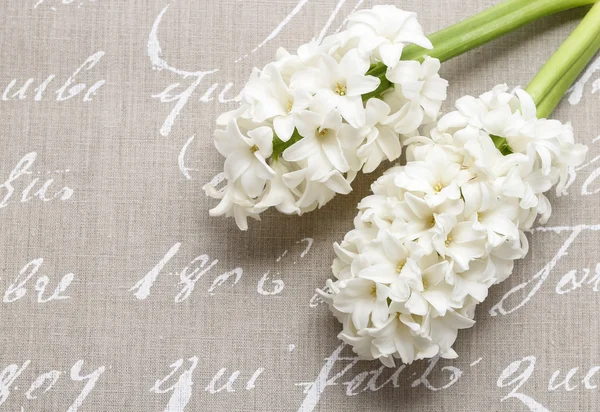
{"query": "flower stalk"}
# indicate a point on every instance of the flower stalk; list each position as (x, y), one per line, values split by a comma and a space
(555, 95)
(479, 30)
(562, 69)
(489, 25)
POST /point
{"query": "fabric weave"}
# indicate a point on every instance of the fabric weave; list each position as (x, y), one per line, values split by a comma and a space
(104, 154)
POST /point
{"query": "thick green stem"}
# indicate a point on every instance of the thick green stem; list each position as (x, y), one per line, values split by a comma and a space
(487, 26)
(476, 31)
(556, 93)
(580, 44)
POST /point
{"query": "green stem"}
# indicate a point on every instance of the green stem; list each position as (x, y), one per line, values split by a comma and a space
(487, 26)
(556, 93)
(571, 52)
(479, 20)
(476, 31)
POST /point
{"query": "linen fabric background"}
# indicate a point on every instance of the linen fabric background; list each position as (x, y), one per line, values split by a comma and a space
(103, 157)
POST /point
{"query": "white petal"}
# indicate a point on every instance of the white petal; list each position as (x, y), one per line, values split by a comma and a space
(411, 120)
(377, 110)
(430, 67)
(353, 63)
(383, 273)
(452, 120)
(293, 179)
(324, 102)
(417, 304)
(338, 184)
(389, 141)
(332, 148)
(358, 85)
(437, 299)
(390, 54)
(405, 348)
(307, 123)
(418, 206)
(241, 218)
(404, 72)
(332, 120)
(284, 127)
(435, 88)
(470, 106)
(302, 149)
(236, 164)
(252, 184)
(527, 104)
(310, 80)
(352, 109)
(302, 100)
(262, 137)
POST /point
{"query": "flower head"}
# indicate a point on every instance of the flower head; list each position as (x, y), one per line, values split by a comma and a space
(311, 120)
(436, 234)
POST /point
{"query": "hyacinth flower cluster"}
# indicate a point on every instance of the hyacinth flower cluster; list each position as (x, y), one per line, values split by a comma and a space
(437, 233)
(310, 121)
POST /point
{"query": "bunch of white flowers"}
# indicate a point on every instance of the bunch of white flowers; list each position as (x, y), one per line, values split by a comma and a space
(437, 233)
(310, 121)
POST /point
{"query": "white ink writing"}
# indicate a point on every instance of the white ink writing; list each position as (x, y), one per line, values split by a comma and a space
(68, 90)
(23, 175)
(18, 289)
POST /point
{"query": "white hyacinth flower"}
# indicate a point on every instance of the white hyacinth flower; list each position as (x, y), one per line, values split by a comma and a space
(436, 234)
(339, 85)
(417, 96)
(321, 145)
(310, 121)
(246, 156)
(385, 30)
(234, 203)
(277, 193)
(270, 98)
(381, 141)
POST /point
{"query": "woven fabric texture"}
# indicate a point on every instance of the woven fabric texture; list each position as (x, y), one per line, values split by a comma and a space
(120, 293)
